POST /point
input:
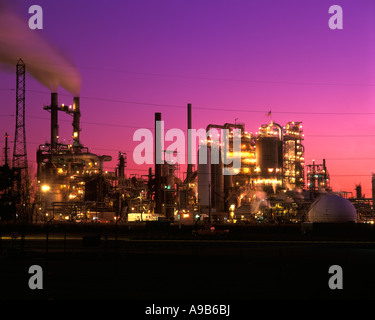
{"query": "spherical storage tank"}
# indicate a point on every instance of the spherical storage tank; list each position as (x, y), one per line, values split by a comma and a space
(332, 209)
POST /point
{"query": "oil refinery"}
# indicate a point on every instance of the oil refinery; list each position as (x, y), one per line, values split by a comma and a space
(273, 183)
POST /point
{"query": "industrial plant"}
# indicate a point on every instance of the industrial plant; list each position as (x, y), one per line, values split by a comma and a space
(273, 185)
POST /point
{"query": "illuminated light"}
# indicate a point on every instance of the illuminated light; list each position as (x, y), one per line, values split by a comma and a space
(75, 134)
(45, 187)
(186, 215)
(249, 160)
(267, 181)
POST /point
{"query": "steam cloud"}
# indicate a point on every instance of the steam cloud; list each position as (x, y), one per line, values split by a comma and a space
(43, 61)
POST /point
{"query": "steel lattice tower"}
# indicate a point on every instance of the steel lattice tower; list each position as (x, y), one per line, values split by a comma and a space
(19, 151)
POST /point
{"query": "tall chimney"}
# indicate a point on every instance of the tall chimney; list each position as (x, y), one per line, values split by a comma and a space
(189, 155)
(121, 166)
(54, 121)
(76, 122)
(158, 152)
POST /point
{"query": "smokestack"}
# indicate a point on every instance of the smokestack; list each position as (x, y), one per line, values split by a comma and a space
(121, 166)
(158, 151)
(76, 122)
(189, 166)
(54, 121)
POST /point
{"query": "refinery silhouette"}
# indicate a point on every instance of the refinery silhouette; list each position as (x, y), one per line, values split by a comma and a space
(231, 211)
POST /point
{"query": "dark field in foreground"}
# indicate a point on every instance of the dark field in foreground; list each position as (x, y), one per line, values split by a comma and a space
(158, 262)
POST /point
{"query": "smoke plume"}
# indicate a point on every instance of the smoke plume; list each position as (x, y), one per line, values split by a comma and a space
(43, 61)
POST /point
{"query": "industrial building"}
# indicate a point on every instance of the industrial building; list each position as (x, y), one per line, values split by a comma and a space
(272, 162)
(317, 177)
(71, 181)
(72, 185)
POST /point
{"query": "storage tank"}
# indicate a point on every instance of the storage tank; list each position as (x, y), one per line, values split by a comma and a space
(332, 209)
(267, 153)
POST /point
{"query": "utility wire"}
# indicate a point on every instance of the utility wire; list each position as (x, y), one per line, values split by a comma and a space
(184, 76)
(111, 124)
(264, 111)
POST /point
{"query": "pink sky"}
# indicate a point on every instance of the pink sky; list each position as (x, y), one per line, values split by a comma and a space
(141, 57)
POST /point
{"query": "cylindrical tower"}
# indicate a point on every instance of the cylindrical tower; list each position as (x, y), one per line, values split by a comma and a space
(204, 180)
(54, 121)
(217, 185)
(76, 122)
(157, 159)
(267, 153)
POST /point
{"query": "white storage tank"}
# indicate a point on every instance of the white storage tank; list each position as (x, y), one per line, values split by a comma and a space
(332, 209)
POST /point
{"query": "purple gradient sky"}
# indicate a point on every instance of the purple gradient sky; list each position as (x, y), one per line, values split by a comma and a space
(253, 55)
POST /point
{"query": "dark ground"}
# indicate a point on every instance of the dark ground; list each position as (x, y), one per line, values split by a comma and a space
(157, 262)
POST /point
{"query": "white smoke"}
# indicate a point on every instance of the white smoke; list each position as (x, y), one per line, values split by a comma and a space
(43, 61)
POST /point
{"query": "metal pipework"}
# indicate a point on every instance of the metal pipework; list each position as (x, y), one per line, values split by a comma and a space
(280, 129)
(235, 125)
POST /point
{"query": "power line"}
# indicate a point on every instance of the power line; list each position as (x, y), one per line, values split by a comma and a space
(184, 76)
(111, 124)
